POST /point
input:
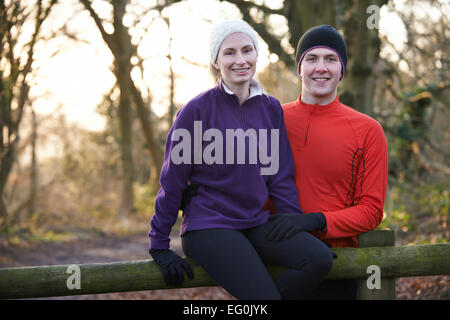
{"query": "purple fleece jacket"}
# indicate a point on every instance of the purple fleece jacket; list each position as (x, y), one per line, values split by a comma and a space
(232, 194)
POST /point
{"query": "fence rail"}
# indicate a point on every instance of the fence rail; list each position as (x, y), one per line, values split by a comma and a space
(56, 280)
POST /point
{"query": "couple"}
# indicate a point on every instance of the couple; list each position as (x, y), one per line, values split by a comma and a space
(329, 186)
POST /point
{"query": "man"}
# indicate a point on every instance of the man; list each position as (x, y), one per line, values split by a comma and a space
(340, 156)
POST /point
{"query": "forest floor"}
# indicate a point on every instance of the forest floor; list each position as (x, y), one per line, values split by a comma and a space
(107, 248)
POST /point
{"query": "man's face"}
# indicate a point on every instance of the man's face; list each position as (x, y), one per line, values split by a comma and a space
(320, 72)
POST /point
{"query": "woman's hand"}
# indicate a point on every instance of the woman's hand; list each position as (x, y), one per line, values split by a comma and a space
(172, 265)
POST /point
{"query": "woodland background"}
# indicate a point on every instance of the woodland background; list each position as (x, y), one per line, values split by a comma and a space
(67, 183)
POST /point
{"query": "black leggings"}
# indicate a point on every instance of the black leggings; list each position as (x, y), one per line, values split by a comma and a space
(235, 259)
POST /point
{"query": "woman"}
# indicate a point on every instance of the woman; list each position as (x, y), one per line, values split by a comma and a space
(231, 142)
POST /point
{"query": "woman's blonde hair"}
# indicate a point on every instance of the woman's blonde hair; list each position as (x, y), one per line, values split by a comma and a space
(214, 72)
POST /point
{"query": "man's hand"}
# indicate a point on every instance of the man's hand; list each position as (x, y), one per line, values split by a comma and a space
(285, 225)
(172, 265)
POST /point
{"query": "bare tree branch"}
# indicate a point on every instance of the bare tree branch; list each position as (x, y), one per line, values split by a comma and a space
(106, 37)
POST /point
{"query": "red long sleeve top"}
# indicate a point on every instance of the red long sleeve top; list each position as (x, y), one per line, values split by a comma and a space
(341, 167)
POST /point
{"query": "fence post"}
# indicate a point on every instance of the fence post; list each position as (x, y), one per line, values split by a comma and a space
(377, 238)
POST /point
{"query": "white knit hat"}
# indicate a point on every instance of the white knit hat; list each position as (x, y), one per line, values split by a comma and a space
(224, 29)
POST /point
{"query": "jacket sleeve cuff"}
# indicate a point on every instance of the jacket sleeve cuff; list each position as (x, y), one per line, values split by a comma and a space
(159, 244)
(322, 232)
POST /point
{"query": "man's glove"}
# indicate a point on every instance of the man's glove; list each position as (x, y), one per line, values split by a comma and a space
(188, 194)
(172, 265)
(287, 224)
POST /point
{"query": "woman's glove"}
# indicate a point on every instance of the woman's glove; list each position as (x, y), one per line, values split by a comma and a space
(285, 225)
(172, 265)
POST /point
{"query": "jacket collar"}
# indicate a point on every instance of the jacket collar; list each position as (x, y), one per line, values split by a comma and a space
(331, 105)
(255, 88)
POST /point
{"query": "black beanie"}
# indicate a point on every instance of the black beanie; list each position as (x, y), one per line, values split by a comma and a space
(324, 36)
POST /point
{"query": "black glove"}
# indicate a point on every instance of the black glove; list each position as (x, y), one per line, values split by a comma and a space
(287, 224)
(188, 194)
(172, 265)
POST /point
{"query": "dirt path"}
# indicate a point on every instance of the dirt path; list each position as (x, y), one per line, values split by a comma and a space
(113, 249)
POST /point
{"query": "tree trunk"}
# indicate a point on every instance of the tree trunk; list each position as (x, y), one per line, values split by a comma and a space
(3, 210)
(302, 15)
(146, 122)
(363, 49)
(126, 145)
(6, 164)
(122, 70)
(33, 167)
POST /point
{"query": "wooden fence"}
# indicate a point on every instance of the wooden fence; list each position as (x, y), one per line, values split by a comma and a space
(376, 257)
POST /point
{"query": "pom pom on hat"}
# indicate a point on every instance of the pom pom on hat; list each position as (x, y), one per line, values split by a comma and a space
(224, 29)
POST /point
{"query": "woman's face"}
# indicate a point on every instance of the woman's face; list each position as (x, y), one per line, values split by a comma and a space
(236, 59)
